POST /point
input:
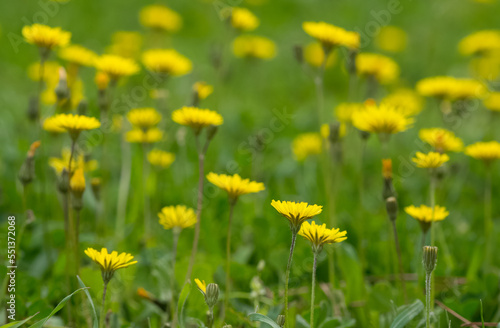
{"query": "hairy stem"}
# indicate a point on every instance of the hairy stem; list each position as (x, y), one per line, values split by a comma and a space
(287, 277)
(232, 203)
(313, 287)
(103, 306)
(428, 277)
(400, 260)
(173, 302)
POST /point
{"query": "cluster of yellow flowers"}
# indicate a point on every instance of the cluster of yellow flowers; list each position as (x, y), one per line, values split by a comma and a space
(450, 88)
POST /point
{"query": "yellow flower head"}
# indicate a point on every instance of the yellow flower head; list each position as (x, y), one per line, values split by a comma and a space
(144, 118)
(243, 19)
(140, 136)
(381, 67)
(485, 151)
(196, 118)
(203, 89)
(161, 18)
(109, 262)
(250, 46)
(166, 61)
(314, 55)
(480, 43)
(425, 215)
(45, 36)
(387, 168)
(78, 55)
(161, 158)
(116, 66)
(51, 125)
(464, 89)
(492, 102)
(430, 160)
(320, 235)
(437, 86)
(344, 111)
(407, 101)
(177, 217)
(50, 73)
(202, 286)
(126, 44)
(74, 124)
(451, 88)
(101, 80)
(381, 119)
(330, 35)
(77, 182)
(296, 213)
(391, 39)
(306, 144)
(441, 140)
(78, 162)
(234, 185)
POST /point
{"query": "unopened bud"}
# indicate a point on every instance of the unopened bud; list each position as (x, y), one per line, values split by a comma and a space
(211, 131)
(298, 53)
(63, 181)
(62, 90)
(430, 258)
(391, 205)
(280, 320)
(95, 183)
(212, 295)
(350, 63)
(33, 109)
(82, 107)
(27, 171)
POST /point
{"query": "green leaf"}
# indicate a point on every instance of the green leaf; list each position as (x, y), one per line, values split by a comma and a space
(301, 322)
(262, 318)
(182, 301)
(80, 282)
(16, 324)
(407, 315)
(59, 306)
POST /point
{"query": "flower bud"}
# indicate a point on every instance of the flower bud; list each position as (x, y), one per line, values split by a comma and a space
(391, 205)
(77, 185)
(33, 109)
(211, 131)
(430, 258)
(298, 53)
(63, 181)
(280, 320)
(101, 80)
(350, 62)
(212, 295)
(62, 90)
(82, 107)
(95, 183)
(27, 171)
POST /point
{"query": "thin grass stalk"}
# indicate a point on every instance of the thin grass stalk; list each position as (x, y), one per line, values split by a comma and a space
(287, 277)
(102, 315)
(313, 287)
(145, 175)
(123, 189)
(319, 83)
(361, 188)
(433, 205)
(488, 217)
(400, 260)
(232, 203)
(173, 300)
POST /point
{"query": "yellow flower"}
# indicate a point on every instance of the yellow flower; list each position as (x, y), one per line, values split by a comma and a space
(116, 66)
(203, 89)
(492, 102)
(485, 151)
(314, 55)
(381, 119)
(437, 86)
(486, 67)
(330, 35)
(425, 215)
(250, 46)
(387, 168)
(464, 89)
(202, 286)
(480, 43)
(45, 36)
(196, 118)
(451, 88)
(177, 217)
(161, 18)
(430, 160)
(51, 125)
(166, 61)
(101, 80)
(407, 101)
(391, 39)
(382, 68)
(296, 213)
(125, 44)
(320, 235)
(161, 158)
(74, 124)
(243, 19)
(344, 111)
(78, 55)
(78, 162)
(109, 263)
(441, 140)
(143, 118)
(234, 185)
(50, 73)
(141, 136)
(77, 182)
(306, 144)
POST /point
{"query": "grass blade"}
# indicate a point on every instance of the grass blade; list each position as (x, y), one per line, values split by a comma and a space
(262, 318)
(80, 282)
(16, 324)
(182, 301)
(407, 315)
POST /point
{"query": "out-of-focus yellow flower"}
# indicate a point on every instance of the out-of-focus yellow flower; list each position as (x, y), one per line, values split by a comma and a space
(330, 35)
(243, 19)
(203, 89)
(480, 43)
(161, 158)
(381, 119)
(344, 111)
(202, 285)
(78, 162)
(325, 130)
(116, 66)
(382, 68)
(430, 160)
(492, 102)
(406, 101)
(306, 144)
(161, 18)
(196, 118)
(77, 182)
(166, 61)
(101, 80)
(314, 55)
(140, 136)
(450, 88)
(45, 36)
(485, 151)
(467, 89)
(387, 168)
(486, 67)
(177, 217)
(74, 124)
(437, 86)
(111, 262)
(251, 46)
(441, 140)
(320, 235)
(52, 126)
(234, 185)
(391, 39)
(126, 44)
(78, 55)
(296, 213)
(425, 215)
(50, 73)
(141, 292)
(144, 118)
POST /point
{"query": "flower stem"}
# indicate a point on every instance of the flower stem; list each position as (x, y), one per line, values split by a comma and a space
(124, 186)
(428, 277)
(319, 82)
(287, 277)
(488, 222)
(400, 260)
(145, 175)
(103, 306)
(173, 302)
(232, 203)
(433, 205)
(313, 287)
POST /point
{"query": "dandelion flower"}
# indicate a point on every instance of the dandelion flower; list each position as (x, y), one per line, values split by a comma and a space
(202, 286)
(492, 102)
(485, 151)
(250, 46)
(116, 66)
(196, 118)
(75, 124)
(125, 44)
(320, 235)
(51, 125)
(381, 119)
(77, 182)
(306, 144)
(234, 185)
(480, 43)
(464, 89)
(446, 87)
(161, 158)
(441, 140)
(45, 36)
(203, 89)
(161, 18)
(430, 160)
(391, 39)
(382, 68)
(177, 217)
(140, 136)
(101, 80)
(243, 19)
(78, 162)
(437, 86)
(144, 118)
(314, 55)
(109, 262)
(330, 35)
(166, 61)
(296, 213)
(344, 111)
(78, 55)
(425, 215)
(407, 101)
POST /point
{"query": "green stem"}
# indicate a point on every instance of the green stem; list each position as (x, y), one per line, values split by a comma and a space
(287, 277)
(145, 175)
(123, 190)
(313, 287)
(103, 306)
(77, 241)
(428, 277)
(319, 82)
(433, 204)
(400, 260)
(175, 235)
(488, 221)
(361, 188)
(232, 203)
